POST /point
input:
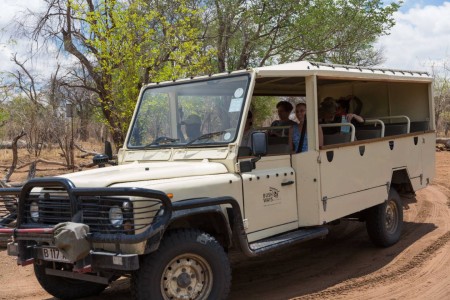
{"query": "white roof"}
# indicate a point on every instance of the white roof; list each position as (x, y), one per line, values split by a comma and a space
(305, 68)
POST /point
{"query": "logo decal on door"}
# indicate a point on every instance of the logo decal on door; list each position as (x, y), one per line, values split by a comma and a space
(271, 197)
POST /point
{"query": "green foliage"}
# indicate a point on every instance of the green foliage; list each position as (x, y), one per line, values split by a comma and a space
(125, 44)
(263, 107)
(262, 32)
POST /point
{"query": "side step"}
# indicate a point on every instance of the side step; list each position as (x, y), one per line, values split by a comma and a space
(287, 239)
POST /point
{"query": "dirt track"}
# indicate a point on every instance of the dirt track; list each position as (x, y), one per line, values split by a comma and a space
(345, 265)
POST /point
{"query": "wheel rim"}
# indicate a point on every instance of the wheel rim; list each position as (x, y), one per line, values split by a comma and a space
(187, 276)
(391, 221)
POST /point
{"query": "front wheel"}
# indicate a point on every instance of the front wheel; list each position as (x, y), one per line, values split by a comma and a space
(384, 222)
(65, 288)
(189, 264)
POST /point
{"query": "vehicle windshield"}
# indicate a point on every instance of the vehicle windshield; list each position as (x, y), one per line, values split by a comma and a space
(190, 114)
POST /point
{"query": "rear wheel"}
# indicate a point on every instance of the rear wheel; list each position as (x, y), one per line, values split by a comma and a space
(189, 264)
(65, 288)
(384, 222)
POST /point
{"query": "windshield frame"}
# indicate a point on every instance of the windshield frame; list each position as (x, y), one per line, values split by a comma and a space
(246, 74)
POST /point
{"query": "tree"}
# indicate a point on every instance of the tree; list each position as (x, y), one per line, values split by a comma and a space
(261, 32)
(124, 44)
(441, 89)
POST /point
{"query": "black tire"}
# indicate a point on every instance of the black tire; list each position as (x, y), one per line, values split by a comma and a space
(65, 288)
(384, 222)
(189, 264)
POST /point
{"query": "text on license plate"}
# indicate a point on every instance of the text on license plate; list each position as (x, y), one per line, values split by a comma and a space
(53, 254)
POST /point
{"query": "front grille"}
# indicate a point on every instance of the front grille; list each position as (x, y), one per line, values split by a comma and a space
(54, 207)
(137, 214)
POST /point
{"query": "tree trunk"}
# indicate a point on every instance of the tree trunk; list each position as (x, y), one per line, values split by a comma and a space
(15, 156)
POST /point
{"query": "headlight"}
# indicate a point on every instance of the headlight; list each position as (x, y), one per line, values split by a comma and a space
(34, 211)
(115, 216)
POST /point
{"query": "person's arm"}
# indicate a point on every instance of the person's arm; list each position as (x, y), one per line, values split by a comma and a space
(355, 117)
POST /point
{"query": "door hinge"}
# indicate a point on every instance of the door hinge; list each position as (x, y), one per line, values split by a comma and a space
(324, 202)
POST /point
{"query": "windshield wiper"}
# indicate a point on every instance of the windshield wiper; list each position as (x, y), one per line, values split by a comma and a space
(206, 136)
(162, 140)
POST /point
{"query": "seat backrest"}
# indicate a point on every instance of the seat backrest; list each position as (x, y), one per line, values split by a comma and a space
(419, 126)
(395, 129)
(272, 140)
(365, 134)
(338, 138)
(278, 149)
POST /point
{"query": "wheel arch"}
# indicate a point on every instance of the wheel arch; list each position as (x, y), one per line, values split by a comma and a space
(210, 219)
(401, 181)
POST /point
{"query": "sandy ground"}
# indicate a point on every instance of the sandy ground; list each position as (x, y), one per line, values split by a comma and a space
(344, 265)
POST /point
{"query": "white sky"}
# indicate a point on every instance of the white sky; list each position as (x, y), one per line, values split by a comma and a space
(420, 37)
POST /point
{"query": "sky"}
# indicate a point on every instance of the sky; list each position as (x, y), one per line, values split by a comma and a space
(420, 38)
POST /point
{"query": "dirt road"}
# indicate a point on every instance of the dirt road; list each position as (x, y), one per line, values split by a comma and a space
(345, 265)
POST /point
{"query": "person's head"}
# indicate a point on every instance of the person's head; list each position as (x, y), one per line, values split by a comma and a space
(249, 121)
(300, 111)
(328, 109)
(343, 106)
(192, 123)
(284, 109)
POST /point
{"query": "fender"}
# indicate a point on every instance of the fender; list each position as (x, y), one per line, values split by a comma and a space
(183, 210)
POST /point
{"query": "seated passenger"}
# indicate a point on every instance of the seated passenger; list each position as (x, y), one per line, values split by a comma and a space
(346, 101)
(332, 112)
(298, 138)
(343, 108)
(192, 126)
(284, 109)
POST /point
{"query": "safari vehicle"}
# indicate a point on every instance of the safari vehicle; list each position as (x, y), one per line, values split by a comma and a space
(185, 192)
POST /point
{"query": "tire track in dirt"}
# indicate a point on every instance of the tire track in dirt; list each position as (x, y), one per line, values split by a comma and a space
(359, 283)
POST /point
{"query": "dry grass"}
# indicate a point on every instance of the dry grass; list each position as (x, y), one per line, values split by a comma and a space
(51, 154)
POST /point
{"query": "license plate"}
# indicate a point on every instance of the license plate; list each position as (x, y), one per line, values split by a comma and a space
(53, 254)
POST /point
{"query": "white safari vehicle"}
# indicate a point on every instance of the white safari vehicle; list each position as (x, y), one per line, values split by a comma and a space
(185, 191)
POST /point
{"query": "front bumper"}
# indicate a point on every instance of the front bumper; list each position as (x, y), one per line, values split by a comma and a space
(107, 248)
(95, 261)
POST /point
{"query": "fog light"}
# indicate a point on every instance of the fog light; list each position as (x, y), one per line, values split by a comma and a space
(34, 211)
(115, 216)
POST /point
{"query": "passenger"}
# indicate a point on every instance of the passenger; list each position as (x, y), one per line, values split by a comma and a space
(192, 126)
(298, 137)
(344, 102)
(284, 109)
(327, 115)
(343, 108)
(248, 129)
(332, 112)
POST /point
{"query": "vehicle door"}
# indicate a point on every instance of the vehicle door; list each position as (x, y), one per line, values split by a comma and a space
(270, 205)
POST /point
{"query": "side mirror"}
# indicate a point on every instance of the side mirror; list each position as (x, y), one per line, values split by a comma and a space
(259, 143)
(101, 160)
(259, 148)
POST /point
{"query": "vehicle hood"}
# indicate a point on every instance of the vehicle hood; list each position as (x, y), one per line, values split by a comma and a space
(107, 176)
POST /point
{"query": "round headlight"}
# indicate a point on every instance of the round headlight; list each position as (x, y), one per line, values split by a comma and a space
(34, 211)
(115, 216)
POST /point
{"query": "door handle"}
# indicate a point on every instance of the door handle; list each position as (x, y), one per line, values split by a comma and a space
(287, 183)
